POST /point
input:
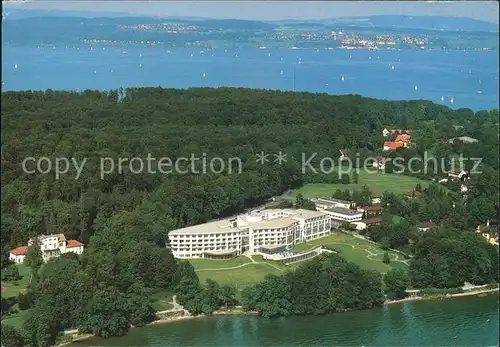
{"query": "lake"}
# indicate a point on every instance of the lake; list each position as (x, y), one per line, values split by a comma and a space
(469, 78)
(470, 321)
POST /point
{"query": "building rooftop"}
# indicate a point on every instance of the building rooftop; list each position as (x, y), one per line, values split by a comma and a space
(428, 224)
(225, 226)
(274, 223)
(374, 220)
(392, 145)
(221, 226)
(371, 208)
(332, 201)
(301, 213)
(19, 250)
(73, 243)
(465, 139)
(60, 237)
(344, 211)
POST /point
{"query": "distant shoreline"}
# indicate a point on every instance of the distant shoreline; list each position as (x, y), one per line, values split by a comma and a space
(441, 296)
(241, 313)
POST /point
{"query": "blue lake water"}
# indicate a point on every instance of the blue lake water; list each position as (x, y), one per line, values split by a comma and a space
(470, 78)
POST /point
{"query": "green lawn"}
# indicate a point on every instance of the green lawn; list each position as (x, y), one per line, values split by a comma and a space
(241, 277)
(201, 264)
(12, 288)
(16, 319)
(162, 300)
(365, 254)
(377, 182)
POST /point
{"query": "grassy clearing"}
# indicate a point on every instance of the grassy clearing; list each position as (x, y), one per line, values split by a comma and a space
(365, 254)
(201, 264)
(16, 320)
(13, 288)
(161, 301)
(377, 182)
(241, 277)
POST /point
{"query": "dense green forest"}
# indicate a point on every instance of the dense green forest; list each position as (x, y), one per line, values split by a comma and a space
(124, 218)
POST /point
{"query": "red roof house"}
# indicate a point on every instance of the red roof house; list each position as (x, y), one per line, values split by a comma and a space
(73, 243)
(403, 138)
(19, 250)
(392, 146)
(372, 221)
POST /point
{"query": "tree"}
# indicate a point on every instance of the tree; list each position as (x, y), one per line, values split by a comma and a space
(345, 179)
(34, 256)
(11, 337)
(299, 200)
(227, 295)
(10, 273)
(386, 258)
(211, 297)
(355, 177)
(396, 282)
(306, 204)
(106, 313)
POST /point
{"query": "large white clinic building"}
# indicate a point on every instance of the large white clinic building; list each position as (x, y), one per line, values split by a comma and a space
(257, 231)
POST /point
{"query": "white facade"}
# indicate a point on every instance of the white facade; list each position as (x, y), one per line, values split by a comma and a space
(340, 210)
(322, 203)
(344, 214)
(249, 232)
(50, 245)
(359, 225)
(17, 255)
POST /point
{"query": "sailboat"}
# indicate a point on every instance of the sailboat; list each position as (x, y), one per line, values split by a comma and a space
(15, 66)
(451, 100)
(392, 67)
(204, 74)
(416, 88)
(140, 54)
(269, 54)
(342, 78)
(442, 98)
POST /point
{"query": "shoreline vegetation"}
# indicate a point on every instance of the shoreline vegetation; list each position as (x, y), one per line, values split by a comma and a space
(240, 312)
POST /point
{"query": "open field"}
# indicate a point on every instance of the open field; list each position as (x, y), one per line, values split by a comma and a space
(377, 182)
(241, 272)
(201, 264)
(240, 277)
(363, 253)
(12, 288)
(16, 319)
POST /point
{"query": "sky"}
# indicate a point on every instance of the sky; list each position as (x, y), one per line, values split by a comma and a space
(275, 10)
